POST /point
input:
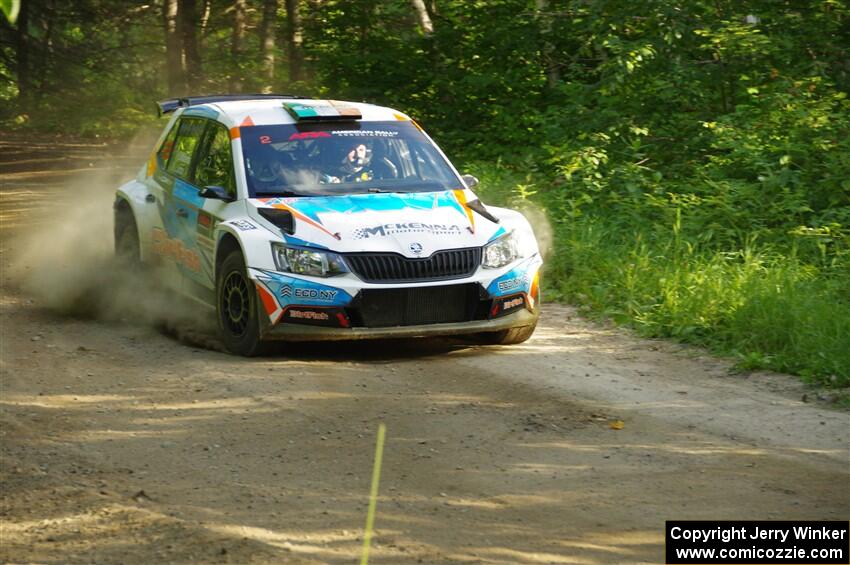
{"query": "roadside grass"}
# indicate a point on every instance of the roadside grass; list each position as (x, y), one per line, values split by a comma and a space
(759, 303)
(769, 310)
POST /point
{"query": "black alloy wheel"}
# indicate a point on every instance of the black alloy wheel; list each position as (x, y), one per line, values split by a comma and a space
(237, 307)
(235, 304)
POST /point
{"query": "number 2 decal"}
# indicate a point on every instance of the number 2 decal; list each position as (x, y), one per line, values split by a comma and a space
(265, 139)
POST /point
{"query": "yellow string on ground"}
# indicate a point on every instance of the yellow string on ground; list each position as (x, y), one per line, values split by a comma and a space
(373, 493)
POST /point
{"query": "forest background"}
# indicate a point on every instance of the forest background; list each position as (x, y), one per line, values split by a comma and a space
(692, 157)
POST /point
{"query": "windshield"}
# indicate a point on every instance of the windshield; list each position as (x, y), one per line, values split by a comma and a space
(321, 159)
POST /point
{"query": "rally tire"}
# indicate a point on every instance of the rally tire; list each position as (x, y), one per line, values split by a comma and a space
(237, 308)
(127, 248)
(511, 336)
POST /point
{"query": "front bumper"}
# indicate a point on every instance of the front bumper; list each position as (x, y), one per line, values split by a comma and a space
(303, 309)
(299, 332)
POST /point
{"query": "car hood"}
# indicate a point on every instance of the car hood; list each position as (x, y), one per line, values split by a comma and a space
(412, 224)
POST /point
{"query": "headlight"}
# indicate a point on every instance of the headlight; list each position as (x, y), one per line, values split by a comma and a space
(307, 262)
(501, 252)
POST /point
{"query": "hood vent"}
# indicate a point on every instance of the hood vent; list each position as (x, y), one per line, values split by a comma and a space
(281, 218)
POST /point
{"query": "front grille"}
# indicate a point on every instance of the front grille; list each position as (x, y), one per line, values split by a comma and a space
(392, 267)
(380, 308)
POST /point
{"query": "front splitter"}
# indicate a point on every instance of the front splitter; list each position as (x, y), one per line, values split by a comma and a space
(304, 332)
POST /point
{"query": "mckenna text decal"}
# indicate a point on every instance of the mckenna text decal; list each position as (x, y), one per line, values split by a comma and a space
(407, 227)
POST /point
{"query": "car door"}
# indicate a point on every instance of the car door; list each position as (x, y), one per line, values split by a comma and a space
(160, 184)
(175, 243)
(213, 168)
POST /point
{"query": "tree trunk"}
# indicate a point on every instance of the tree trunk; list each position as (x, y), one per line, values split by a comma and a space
(173, 50)
(192, 55)
(206, 8)
(553, 74)
(23, 53)
(268, 30)
(294, 40)
(423, 17)
(237, 41)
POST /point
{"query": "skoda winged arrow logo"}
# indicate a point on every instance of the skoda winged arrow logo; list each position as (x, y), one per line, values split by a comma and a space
(415, 248)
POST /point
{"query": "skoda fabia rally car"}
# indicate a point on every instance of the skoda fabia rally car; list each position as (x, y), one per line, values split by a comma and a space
(303, 219)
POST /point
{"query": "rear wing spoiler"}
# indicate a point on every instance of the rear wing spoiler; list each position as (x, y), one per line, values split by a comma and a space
(168, 106)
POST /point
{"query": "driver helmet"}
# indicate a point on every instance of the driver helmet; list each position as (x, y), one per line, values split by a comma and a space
(357, 158)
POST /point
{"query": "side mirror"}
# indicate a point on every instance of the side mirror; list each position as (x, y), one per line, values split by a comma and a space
(469, 180)
(215, 193)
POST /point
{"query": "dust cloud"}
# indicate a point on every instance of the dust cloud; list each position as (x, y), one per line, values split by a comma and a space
(540, 223)
(64, 260)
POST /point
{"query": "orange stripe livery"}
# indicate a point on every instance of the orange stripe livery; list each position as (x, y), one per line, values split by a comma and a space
(461, 199)
(296, 214)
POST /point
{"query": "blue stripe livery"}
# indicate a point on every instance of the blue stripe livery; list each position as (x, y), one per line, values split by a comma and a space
(499, 233)
(201, 111)
(381, 202)
(298, 242)
(188, 193)
(516, 280)
(289, 290)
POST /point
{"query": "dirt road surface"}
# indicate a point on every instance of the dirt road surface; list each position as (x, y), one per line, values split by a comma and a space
(122, 443)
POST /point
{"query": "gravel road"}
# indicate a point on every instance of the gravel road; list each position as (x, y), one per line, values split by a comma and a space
(123, 442)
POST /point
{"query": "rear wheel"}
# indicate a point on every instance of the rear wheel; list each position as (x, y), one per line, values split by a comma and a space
(236, 305)
(511, 336)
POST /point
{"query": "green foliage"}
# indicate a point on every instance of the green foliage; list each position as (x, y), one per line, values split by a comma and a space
(10, 9)
(754, 303)
(693, 158)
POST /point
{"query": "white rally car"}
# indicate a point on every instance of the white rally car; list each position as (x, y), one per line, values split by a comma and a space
(302, 219)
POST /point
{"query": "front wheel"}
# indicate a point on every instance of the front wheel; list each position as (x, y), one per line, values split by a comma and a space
(236, 306)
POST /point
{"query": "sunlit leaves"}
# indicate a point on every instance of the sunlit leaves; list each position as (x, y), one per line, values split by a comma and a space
(10, 9)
